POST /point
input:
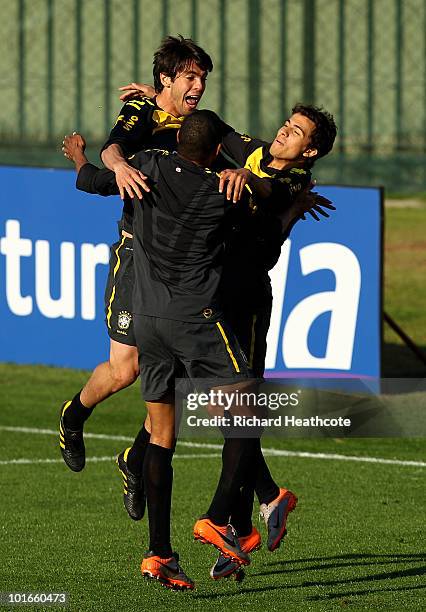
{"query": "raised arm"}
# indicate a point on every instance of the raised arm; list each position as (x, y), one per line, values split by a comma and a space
(73, 148)
(90, 179)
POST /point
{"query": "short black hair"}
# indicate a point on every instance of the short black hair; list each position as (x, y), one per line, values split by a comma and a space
(175, 55)
(199, 136)
(322, 138)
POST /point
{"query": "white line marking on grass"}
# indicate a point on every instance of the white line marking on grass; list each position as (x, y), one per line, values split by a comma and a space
(31, 461)
(101, 459)
(271, 452)
(50, 432)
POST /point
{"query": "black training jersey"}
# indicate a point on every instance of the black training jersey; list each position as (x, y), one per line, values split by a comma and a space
(253, 154)
(255, 241)
(142, 125)
(179, 229)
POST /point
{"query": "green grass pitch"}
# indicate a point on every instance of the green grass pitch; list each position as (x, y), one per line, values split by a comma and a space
(355, 541)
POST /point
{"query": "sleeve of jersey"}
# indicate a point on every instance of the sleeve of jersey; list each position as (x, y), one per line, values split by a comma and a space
(287, 187)
(131, 126)
(287, 232)
(239, 146)
(92, 179)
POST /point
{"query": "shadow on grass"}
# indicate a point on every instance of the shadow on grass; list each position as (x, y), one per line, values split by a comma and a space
(363, 559)
(337, 561)
(398, 361)
(366, 592)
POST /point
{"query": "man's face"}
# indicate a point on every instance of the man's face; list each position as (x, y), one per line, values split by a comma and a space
(292, 140)
(187, 88)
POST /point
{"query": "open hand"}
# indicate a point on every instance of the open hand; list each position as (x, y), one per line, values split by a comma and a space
(136, 90)
(236, 179)
(130, 181)
(311, 202)
(73, 146)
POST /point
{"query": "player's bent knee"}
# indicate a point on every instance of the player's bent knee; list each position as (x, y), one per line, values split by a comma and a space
(123, 376)
(124, 365)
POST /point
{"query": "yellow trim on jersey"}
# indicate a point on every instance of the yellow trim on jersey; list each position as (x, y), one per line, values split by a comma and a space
(135, 104)
(165, 121)
(162, 151)
(253, 163)
(139, 103)
(228, 348)
(117, 265)
(253, 340)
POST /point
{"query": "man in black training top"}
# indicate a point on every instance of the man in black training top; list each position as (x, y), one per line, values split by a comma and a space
(178, 317)
(180, 70)
(254, 248)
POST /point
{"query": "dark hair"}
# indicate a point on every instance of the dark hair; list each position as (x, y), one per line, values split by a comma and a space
(199, 135)
(175, 55)
(324, 134)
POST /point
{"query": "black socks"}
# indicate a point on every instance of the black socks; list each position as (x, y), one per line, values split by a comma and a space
(76, 414)
(258, 478)
(237, 459)
(158, 480)
(242, 511)
(136, 454)
(265, 486)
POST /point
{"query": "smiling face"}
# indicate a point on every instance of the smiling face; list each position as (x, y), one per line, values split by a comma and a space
(185, 90)
(292, 142)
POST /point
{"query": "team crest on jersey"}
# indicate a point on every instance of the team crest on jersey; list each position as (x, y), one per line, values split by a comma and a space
(124, 319)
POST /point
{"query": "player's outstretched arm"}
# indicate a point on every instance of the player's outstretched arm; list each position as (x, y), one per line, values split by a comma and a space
(73, 148)
(90, 178)
(307, 202)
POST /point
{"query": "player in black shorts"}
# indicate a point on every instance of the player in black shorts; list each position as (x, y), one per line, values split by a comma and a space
(253, 249)
(157, 366)
(179, 322)
(180, 71)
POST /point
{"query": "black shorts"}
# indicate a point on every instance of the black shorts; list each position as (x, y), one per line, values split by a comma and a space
(118, 293)
(250, 323)
(171, 349)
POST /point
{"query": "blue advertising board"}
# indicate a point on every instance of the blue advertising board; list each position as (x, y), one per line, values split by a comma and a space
(327, 288)
(54, 250)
